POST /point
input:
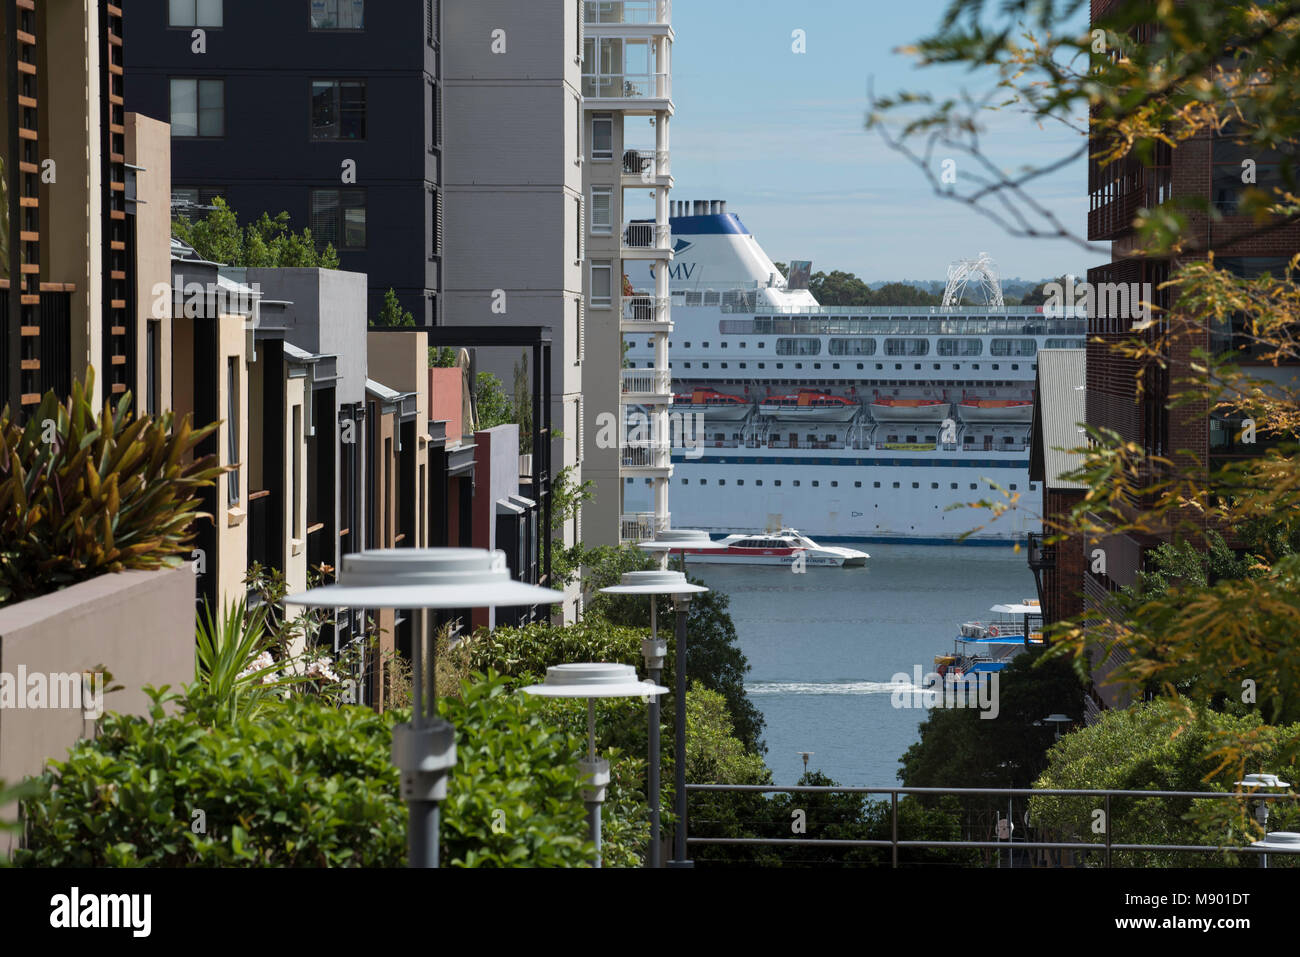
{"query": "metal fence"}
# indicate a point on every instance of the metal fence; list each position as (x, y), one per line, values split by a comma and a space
(1103, 798)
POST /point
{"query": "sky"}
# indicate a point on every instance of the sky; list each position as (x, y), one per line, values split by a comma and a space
(781, 137)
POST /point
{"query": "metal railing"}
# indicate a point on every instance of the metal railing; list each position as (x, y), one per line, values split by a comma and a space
(646, 236)
(638, 308)
(646, 457)
(1102, 799)
(627, 86)
(641, 526)
(647, 164)
(610, 12)
(646, 381)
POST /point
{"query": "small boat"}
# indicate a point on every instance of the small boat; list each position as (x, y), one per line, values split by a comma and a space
(809, 405)
(715, 405)
(785, 547)
(996, 410)
(893, 409)
(984, 647)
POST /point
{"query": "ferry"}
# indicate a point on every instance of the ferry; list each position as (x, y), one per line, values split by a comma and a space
(984, 647)
(785, 547)
(853, 423)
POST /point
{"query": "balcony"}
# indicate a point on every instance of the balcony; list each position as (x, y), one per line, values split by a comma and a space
(646, 167)
(610, 13)
(647, 241)
(641, 526)
(646, 456)
(640, 313)
(1041, 557)
(629, 92)
(647, 385)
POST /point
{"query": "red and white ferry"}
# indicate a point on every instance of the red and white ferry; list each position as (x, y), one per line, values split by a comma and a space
(776, 548)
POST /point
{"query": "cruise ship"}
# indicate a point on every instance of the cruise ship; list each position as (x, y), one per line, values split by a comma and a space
(850, 423)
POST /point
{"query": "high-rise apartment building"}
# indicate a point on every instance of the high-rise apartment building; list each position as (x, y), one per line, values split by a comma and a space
(627, 177)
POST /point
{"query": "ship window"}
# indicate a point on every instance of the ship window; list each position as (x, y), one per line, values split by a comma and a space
(898, 365)
(834, 365)
(996, 366)
(1007, 439)
(853, 347)
(1013, 347)
(879, 366)
(724, 345)
(916, 485)
(907, 347)
(724, 365)
(758, 481)
(705, 345)
(917, 366)
(817, 484)
(704, 365)
(742, 365)
(684, 481)
(859, 365)
(972, 486)
(742, 345)
(686, 364)
(762, 345)
(818, 365)
(877, 485)
(960, 347)
(798, 347)
(796, 483)
(934, 485)
(835, 485)
(956, 365)
(686, 345)
(857, 485)
(936, 367)
(975, 365)
(895, 485)
(780, 365)
(740, 481)
(762, 365)
(1033, 487)
(1013, 488)
(777, 483)
(954, 486)
(1015, 366)
(704, 481)
(798, 365)
(722, 481)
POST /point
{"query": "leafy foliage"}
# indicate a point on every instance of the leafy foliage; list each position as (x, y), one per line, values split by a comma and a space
(266, 242)
(391, 313)
(306, 784)
(83, 495)
(491, 407)
(1154, 746)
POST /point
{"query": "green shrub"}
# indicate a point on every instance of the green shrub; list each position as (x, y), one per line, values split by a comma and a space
(307, 784)
(83, 495)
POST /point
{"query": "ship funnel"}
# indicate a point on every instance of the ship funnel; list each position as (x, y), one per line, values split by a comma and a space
(722, 205)
(713, 207)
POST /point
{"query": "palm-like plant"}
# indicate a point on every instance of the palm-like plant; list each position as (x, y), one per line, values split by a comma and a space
(227, 675)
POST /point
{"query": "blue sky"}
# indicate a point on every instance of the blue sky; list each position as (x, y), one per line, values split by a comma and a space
(780, 137)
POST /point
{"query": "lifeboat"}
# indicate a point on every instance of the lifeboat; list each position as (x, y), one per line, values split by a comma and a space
(996, 410)
(893, 409)
(715, 405)
(808, 405)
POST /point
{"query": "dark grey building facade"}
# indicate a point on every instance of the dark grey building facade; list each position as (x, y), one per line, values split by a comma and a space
(330, 110)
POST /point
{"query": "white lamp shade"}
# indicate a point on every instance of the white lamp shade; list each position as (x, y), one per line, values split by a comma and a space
(593, 680)
(425, 578)
(1263, 781)
(1280, 841)
(654, 583)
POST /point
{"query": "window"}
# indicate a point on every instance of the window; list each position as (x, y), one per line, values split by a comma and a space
(777, 483)
(338, 110)
(817, 484)
(907, 347)
(853, 347)
(796, 483)
(582, 228)
(895, 485)
(602, 136)
(232, 429)
(338, 216)
(198, 107)
(1013, 347)
(960, 347)
(194, 13)
(338, 14)
(758, 481)
(295, 520)
(602, 283)
(877, 485)
(954, 486)
(798, 347)
(602, 209)
(193, 200)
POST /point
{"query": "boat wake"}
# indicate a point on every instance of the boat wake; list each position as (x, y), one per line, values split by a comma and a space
(829, 687)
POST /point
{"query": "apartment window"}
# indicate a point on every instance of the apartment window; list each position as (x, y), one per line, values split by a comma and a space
(581, 224)
(232, 429)
(602, 209)
(194, 13)
(602, 283)
(338, 216)
(198, 108)
(435, 237)
(602, 136)
(338, 110)
(296, 434)
(193, 200)
(338, 14)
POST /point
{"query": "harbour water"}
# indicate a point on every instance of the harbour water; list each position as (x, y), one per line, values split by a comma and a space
(824, 645)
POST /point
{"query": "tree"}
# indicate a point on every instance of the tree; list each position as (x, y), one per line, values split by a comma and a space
(1150, 78)
(491, 407)
(838, 288)
(266, 242)
(523, 405)
(391, 313)
(903, 294)
(1038, 295)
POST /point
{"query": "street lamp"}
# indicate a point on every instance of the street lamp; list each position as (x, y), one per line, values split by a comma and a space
(668, 541)
(1056, 720)
(592, 681)
(653, 650)
(422, 579)
(1254, 782)
(806, 755)
(1278, 841)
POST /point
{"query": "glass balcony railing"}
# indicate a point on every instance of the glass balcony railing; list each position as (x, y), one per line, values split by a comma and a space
(627, 86)
(612, 12)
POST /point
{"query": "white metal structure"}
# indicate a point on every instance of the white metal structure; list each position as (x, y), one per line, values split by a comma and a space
(627, 104)
(982, 271)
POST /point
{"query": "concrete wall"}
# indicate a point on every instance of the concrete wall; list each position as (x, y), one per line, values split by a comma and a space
(447, 401)
(138, 625)
(148, 145)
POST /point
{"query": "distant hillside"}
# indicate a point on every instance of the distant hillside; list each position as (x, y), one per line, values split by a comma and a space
(839, 288)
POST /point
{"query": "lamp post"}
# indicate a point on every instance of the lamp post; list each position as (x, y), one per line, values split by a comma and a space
(653, 649)
(806, 755)
(1254, 782)
(1056, 720)
(1278, 841)
(592, 681)
(681, 541)
(423, 579)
